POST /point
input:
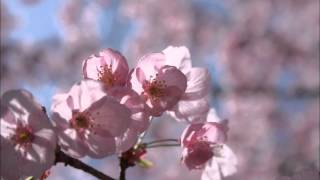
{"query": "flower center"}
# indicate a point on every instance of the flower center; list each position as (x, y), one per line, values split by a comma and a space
(23, 135)
(105, 75)
(82, 121)
(154, 88)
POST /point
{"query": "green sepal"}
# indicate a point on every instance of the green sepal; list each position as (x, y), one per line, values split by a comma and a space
(144, 163)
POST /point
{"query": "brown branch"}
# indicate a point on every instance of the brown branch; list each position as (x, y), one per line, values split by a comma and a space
(123, 167)
(67, 160)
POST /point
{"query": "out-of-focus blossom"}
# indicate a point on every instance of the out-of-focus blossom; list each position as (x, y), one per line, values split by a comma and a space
(76, 16)
(7, 21)
(307, 174)
(28, 142)
(109, 67)
(160, 85)
(87, 120)
(139, 115)
(193, 104)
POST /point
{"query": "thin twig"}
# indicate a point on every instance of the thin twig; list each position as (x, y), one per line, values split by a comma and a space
(163, 145)
(145, 132)
(161, 141)
(67, 160)
(123, 167)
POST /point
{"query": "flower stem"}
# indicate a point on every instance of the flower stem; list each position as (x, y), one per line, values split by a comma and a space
(161, 141)
(144, 133)
(123, 167)
(67, 160)
(162, 145)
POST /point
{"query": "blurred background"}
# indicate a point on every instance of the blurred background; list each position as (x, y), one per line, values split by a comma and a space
(263, 56)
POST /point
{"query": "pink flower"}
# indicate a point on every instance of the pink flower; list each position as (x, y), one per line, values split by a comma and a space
(140, 117)
(193, 105)
(160, 85)
(199, 141)
(88, 120)
(28, 141)
(109, 67)
(203, 147)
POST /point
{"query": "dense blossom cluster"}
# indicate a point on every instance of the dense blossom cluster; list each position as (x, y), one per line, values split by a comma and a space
(107, 112)
(263, 57)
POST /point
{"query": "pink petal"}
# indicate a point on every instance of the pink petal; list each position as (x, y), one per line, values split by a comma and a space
(84, 93)
(214, 132)
(8, 122)
(151, 63)
(72, 143)
(198, 80)
(141, 77)
(90, 67)
(64, 100)
(173, 77)
(197, 155)
(211, 171)
(22, 102)
(135, 103)
(127, 140)
(227, 161)
(11, 163)
(111, 115)
(178, 57)
(193, 111)
(99, 147)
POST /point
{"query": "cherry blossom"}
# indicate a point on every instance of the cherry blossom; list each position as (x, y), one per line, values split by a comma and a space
(88, 120)
(204, 148)
(109, 67)
(193, 105)
(199, 141)
(160, 85)
(28, 141)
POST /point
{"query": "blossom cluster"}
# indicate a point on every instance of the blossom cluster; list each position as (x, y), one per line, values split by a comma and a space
(108, 111)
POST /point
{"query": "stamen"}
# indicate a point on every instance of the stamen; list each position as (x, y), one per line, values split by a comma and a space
(23, 136)
(154, 88)
(83, 122)
(106, 76)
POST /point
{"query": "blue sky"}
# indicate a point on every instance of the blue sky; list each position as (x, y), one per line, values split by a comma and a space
(35, 22)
